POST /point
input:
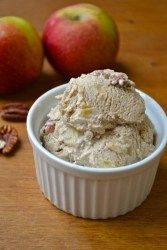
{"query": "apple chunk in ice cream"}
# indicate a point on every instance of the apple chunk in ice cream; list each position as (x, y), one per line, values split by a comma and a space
(99, 121)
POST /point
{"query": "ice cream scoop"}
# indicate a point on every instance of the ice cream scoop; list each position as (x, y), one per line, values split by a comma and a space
(100, 121)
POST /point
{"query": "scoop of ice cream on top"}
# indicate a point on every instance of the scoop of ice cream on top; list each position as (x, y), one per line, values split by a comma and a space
(100, 121)
(99, 101)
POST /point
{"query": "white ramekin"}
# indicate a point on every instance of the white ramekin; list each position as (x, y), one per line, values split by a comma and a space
(95, 193)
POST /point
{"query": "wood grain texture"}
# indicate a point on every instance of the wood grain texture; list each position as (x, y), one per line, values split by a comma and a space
(27, 219)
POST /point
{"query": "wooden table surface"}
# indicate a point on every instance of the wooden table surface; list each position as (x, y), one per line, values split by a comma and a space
(27, 219)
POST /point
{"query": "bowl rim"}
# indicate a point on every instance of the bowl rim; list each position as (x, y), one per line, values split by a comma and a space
(88, 169)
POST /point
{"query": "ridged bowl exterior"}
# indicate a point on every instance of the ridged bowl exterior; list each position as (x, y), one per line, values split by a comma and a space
(89, 192)
(91, 197)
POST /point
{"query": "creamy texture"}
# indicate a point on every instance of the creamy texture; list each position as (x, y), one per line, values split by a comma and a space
(100, 121)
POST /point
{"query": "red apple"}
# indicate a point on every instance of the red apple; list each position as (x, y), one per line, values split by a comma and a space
(21, 54)
(80, 38)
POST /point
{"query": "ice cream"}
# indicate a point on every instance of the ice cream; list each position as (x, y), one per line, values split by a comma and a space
(99, 121)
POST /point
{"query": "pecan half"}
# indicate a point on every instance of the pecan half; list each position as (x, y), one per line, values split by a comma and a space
(8, 138)
(14, 111)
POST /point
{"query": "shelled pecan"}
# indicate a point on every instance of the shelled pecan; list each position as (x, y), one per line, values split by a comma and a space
(8, 138)
(14, 111)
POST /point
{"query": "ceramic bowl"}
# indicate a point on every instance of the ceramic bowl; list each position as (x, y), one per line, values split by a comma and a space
(96, 193)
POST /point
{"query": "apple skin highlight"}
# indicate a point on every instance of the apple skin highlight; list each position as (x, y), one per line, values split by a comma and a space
(79, 39)
(21, 54)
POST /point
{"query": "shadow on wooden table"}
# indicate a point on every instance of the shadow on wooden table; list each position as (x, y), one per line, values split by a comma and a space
(121, 67)
(31, 93)
(46, 81)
